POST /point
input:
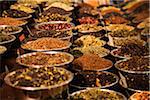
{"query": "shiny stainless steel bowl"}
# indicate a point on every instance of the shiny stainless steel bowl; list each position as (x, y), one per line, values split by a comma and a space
(133, 80)
(41, 50)
(50, 52)
(12, 33)
(54, 22)
(103, 90)
(38, 93)
(9, 41)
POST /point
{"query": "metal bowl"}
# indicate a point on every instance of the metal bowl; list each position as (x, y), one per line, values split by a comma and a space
(9, 41)
(8, 82)
(54, 22)
(12, 33)
(112, 39)
(63, 38)
(115, 55)
(40, 93)
(41, 50)
(128, 71)
(50, 52)
(133, 80)
(106, 86)
(124, 85)
(103, 90)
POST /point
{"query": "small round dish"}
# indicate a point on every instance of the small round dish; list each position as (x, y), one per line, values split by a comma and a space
(12, 21)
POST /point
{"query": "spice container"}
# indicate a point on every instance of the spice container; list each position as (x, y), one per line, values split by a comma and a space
(88, 20)
(54, 10)
(89, 40)
(64, 35)
(7, 40)
(10, 30)
(96, 93)
(55, 25)
(49, 59)
(46, 44)
(130, 50)
(134, 73)
(21, 15)
(52, 17)
(118, 36)
(85, 79)
(12, 21)
(39, 83)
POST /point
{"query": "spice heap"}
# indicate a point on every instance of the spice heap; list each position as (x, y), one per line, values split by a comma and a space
(52, 17)
(39, 77)
(135, 64)
(96, 93)
(9, 29)
(10, 21)
(91, 62)
(46, 59)
(93, 79)
(46, 44)
(133, 50)
(55, 26)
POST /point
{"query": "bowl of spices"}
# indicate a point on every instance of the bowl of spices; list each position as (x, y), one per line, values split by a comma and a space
(39, 83)
(134, 72)
(96, 93)
(101, 79)
(91, 62)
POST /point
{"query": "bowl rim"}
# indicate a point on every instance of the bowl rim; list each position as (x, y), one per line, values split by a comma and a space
(131, 89)
(42, 50)
(48, 52)
(12, 33)
(54, 22)
(112, 84)
(13, 39)
(112, 53)
(63, 38)
(129, 71)
(105, 90)
(7, 81)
